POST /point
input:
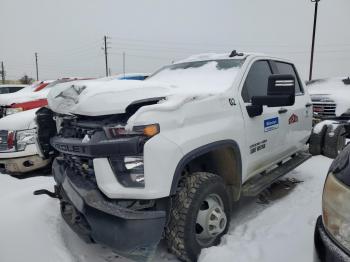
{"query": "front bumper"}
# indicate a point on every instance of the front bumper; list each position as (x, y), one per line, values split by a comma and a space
(22, 164)
(326, 249)
(96, 218)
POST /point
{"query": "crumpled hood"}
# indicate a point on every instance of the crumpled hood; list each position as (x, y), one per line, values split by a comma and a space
(93, 98)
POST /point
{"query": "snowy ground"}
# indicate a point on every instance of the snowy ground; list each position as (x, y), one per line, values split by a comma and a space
(31, 228)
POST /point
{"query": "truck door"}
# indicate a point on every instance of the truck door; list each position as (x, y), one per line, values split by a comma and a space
(263, 133)
(297, 119)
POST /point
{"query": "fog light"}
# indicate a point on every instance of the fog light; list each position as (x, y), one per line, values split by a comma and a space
(129, 170)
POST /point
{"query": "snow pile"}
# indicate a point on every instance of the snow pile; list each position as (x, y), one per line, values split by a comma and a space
(318, 127)
(333, 88)
(32, 228)
(281, 231)
(29, 225)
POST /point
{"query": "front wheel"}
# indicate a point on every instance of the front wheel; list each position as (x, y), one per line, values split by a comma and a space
(200, 215)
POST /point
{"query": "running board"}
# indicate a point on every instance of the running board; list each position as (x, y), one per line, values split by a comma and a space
(260, 182)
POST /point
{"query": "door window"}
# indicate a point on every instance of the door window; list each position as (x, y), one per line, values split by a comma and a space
(257, 81)
(288, 69)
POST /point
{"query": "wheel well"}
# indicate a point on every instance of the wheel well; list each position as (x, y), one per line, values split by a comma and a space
(220, 158)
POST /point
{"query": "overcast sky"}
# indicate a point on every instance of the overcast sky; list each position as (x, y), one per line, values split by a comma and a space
(68, 34)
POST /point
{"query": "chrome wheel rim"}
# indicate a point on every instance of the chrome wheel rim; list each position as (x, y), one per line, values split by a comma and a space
(211, 220)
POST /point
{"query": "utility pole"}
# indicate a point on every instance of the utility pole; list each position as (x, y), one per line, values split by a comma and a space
(36, 65)
(124, 63)
(3, 74)
(313, 38)
(106, 53)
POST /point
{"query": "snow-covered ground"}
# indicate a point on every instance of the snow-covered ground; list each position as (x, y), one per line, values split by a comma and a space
(31, 228)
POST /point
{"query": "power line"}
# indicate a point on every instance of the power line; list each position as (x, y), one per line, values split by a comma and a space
(3, 73)
(105, 48)
(36, 66)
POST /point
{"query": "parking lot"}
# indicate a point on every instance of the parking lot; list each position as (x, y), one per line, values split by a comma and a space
(281, 230)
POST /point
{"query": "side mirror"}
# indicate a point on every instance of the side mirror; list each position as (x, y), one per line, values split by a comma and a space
(280, 92)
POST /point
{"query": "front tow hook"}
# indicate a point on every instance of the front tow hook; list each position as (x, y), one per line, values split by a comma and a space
(54, 194)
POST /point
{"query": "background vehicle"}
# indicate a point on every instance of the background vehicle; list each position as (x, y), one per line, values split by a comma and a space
(332, 233)
(18, 152)
(31, 99)
(26, 94)
(7, 89)
(330, 98)
(331, 113)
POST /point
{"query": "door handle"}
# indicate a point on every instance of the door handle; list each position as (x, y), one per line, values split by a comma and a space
(308, 105)
(282, 111)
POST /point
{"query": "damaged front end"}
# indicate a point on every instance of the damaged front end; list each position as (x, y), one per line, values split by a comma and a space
(131, 227)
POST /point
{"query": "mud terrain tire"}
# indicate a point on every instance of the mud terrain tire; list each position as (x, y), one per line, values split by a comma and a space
(334, 141)
(187, 206)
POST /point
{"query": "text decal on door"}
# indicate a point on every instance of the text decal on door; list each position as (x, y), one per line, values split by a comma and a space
(271, 124)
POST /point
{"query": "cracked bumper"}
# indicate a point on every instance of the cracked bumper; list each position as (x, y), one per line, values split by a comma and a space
(96, 218)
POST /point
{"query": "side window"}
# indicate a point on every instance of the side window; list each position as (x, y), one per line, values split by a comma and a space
(256, 81)
(285, 68)
(4, 90)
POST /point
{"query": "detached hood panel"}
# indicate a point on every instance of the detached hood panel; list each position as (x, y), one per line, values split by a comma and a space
(93, 98)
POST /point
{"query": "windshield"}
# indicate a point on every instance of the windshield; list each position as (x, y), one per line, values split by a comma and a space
(211, 75)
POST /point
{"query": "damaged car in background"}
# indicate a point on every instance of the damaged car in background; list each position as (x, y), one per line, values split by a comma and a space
(332, 231)
(34, 92)
(331, 115)
(167, 157)
(8, 89)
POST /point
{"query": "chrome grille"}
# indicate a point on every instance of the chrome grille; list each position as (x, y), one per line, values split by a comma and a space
(324, 107)
(3, 140)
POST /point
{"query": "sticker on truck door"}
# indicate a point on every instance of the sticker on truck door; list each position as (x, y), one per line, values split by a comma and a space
(271, 124)
(293, 119)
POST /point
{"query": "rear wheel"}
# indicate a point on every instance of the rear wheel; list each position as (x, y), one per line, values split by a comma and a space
(334, 141)
(200, 215)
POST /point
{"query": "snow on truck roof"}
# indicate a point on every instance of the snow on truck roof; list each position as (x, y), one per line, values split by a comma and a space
(221, 56)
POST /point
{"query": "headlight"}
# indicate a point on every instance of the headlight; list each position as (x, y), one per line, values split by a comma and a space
(129, 170)
(24, 138)
(336, 210)
(119, 131)
(10, 111)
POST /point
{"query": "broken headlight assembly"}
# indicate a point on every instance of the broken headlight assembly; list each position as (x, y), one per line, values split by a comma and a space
(24, 138)
(129, 170)
(336, 210)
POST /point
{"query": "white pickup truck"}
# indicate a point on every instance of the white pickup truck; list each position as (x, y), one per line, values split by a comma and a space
(168, 156)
